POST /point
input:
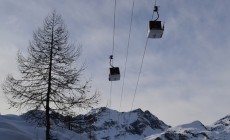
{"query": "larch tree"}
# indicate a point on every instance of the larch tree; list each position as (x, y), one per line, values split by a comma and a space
(51, 77)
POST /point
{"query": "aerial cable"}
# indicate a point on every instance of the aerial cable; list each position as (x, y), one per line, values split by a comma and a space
(127, 53)
(114, 27)
(143, 56)
(138, 79)
(111, 56)
(142, 60)
(156, 9)
(139, 74)
(110, 99)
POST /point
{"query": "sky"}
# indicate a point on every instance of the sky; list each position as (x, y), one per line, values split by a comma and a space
(185, 75)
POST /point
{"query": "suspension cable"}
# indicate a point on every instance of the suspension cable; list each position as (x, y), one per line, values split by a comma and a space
(111, 56)
(143, 56)
(138, 79)
(114, 25)
(110, 99)
(127, 53)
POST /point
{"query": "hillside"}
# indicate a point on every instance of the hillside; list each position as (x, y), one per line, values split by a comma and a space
(104, 123)
(14, 127)
(220, 130)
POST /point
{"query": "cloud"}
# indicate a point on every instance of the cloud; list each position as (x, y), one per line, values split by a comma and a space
(184, 74)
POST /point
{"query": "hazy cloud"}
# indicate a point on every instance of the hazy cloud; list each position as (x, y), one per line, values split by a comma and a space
(185, 74)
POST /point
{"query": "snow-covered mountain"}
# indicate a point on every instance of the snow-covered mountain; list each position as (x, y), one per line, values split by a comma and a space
(14, 127)
(220, 130)
(104, 123)
(98, 124)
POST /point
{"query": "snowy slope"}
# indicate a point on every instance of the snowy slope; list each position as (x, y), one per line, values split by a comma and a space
(107, 123)
(13, 127)
(104, 123)
(220, 130)
(192, 131)
(101, 123)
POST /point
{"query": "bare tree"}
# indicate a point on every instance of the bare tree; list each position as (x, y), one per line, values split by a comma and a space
(51, 79)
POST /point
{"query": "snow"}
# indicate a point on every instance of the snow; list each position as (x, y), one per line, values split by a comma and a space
(117, 125)
(197, 131)
(112, 115)
(13, 127)
(109, 123)
(196, 125)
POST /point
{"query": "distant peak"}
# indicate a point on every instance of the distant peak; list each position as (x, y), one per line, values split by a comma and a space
(194, 125)
(138, 110)
(224, 121)
(100, 110)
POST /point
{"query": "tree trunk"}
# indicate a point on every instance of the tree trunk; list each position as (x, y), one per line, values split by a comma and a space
(47, 101)
(48, 136)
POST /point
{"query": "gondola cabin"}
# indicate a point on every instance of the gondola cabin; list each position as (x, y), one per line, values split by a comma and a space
(114, 74)
(155, 29)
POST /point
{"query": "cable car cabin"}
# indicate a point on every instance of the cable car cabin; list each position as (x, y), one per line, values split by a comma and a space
(155, 29)
(114, 74)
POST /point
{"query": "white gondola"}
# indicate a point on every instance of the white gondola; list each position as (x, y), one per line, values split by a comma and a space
(114, 74)
(155, 29)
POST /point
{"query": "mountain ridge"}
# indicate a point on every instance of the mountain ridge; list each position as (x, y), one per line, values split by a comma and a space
(219, 130)
(104, 123)
(134, 123)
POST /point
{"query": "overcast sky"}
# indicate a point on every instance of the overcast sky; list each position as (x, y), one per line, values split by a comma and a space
(185, 75)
